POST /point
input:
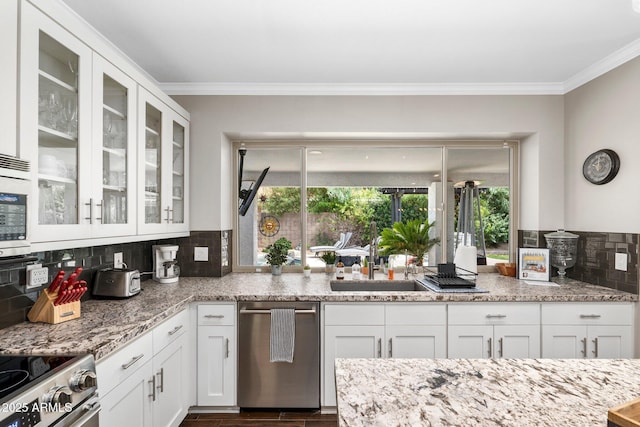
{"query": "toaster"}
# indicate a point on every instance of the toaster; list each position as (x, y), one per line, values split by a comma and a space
(116, 283)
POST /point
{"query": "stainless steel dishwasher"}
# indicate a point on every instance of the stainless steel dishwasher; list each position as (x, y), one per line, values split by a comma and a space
(263, 384)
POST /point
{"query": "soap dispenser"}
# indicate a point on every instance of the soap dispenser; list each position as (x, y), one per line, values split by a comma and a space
(355, 271)
(340, 269)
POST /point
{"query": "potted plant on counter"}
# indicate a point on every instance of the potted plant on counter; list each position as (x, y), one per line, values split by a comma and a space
(329, 259)
(306, 270)
(364, 270)
(277, 254)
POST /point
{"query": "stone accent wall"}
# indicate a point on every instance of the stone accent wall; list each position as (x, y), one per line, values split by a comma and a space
(596, 257)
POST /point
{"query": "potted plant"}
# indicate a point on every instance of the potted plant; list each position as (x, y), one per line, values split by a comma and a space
(365, 268)
(410, 237)
(329, 259)
(277, 254)
(306, 270)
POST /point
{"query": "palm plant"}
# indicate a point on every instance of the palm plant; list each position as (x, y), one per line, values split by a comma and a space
(410, 237)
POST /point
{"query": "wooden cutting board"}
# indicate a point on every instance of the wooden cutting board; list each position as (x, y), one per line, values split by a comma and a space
(625, 415)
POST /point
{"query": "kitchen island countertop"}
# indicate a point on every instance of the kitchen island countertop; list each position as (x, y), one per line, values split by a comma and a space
(106, 325)
(482, 392)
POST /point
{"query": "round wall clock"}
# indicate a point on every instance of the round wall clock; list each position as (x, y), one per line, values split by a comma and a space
(601, 167)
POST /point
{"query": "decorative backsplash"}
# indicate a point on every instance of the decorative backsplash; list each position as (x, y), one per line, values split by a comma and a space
(596, 257)
(16, 301)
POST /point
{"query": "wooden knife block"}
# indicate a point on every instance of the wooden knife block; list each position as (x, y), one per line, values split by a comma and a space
(44, 310)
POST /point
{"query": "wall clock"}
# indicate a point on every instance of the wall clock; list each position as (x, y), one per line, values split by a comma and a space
(601, 167)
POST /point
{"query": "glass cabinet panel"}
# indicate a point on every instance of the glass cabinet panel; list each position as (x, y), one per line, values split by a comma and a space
(114, 152)
(152, 169)
(178, 173)
(57, 133)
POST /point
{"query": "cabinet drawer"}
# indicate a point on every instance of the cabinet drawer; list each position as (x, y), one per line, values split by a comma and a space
(494, 314)
(118, 366)
(415, 314)
(216, 314)
(169, 330)
(354, 314)
(587, 314)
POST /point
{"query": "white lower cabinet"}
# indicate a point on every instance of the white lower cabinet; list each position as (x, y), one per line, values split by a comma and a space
(363, 330)
(479, 330)
(217, 355)
(584, 330)
(145, 388)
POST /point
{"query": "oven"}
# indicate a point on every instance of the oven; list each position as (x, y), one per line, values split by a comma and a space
(43, 391)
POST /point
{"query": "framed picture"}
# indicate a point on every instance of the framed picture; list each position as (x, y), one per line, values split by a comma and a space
(533, 264)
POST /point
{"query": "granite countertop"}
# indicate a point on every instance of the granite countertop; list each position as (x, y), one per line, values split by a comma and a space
(106, 325)
(482, 392)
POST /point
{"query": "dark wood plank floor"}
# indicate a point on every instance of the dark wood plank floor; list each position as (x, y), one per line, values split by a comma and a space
(262, 419)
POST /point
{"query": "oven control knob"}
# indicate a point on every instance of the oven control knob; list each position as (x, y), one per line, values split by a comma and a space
(59, 395)
(83, 380)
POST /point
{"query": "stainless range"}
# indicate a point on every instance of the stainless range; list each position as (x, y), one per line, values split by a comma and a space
(47, 391)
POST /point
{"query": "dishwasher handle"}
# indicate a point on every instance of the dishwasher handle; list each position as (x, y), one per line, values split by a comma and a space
(262, 311)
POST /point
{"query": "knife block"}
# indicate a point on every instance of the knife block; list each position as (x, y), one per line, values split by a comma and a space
(44, 310)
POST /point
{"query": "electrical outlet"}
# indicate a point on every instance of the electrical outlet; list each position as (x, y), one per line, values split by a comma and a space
(201, 253)
(37, 275)
(118, 261)
(621, 262)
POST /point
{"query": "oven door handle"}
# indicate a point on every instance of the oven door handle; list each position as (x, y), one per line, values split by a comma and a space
(93, 408)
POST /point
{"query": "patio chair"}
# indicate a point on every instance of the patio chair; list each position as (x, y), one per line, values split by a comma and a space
(340, 244)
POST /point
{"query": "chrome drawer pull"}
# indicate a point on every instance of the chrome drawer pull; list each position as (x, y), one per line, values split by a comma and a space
(214, 316)
(496, 316)
(152, 383)
(584, 347)
(595, 351)
(174, 330)
(590, 316)
(245, 311)
(134, 360)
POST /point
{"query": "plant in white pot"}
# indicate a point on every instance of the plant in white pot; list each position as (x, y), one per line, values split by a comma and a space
(307, 270)
(277, 254)
(329, 259)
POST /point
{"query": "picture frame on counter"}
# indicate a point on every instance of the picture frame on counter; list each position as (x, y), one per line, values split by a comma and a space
(534, 264)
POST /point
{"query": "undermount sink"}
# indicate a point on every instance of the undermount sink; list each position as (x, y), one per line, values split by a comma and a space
(377, 286)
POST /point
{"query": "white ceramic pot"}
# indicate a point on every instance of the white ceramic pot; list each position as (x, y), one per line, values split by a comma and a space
(276, 270)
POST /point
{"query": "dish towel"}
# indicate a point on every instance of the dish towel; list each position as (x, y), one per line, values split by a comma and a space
(283, 333)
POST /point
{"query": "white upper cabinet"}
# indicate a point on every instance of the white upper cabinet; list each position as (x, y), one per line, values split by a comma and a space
(162, 171)
(109, 152)
(55, 126)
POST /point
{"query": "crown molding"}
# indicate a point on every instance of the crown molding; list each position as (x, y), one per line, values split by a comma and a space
(616, 59)
(350, 89)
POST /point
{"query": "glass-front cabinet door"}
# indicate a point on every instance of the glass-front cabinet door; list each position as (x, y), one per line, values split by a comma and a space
(162, 167)
(112, 208)
(55, 126)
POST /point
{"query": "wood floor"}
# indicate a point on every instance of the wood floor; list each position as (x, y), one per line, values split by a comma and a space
(262, 419)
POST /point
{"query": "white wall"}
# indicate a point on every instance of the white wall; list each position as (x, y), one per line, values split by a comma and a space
(540, 117)
(604, 113)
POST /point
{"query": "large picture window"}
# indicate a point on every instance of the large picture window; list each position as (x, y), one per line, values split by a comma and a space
(323, 197)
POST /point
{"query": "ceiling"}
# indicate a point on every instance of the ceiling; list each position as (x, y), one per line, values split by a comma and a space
(369, 46)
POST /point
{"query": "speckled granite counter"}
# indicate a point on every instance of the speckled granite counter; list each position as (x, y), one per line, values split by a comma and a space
(482, 392)
(106, 325)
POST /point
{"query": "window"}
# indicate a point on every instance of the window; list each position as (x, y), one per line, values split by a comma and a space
(346, 186)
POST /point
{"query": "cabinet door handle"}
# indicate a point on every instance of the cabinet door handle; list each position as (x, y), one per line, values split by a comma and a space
(169, 210)
(595, 350)
(174, 330)
(584, 347)
(590, 316)
(101, 204)
(132, 361)
(152, 382)
(226, 351)
(496, 316)
(161, 375)
(379, 347)
(490, 346)
(390, 347)
(214, 316)
(500, 347)
(90, 217)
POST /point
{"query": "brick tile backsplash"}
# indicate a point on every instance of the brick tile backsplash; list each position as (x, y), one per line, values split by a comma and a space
(596, 257)
(16, 301)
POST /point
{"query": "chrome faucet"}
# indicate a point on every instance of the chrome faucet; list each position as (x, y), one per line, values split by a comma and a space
(406, 265)
(373, 247)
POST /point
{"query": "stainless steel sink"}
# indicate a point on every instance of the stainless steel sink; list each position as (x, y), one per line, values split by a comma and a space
(377, 286)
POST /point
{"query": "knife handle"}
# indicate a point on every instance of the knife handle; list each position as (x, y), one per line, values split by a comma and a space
(56, 281)
(61, 296)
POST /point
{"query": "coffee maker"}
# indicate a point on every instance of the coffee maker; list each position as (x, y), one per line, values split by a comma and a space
(165, 268)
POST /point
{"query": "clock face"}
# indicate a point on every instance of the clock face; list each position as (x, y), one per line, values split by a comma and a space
(601, 166)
